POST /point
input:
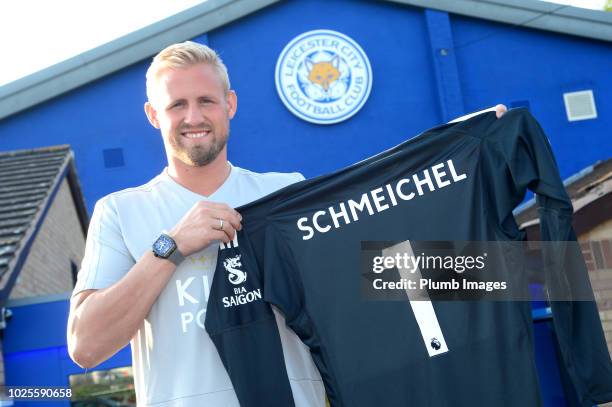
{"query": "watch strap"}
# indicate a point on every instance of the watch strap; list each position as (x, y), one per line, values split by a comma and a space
(176, 257)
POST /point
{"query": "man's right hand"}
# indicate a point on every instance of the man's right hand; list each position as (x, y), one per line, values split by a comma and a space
(202, 225)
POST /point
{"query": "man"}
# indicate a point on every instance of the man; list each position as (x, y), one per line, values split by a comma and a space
(127, 292)
(156, 298)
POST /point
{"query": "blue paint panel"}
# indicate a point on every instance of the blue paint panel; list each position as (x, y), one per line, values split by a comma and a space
(553, 394)
(34, 368)
(36, 326)
(501, 63)
(113, 157)
(445, 64)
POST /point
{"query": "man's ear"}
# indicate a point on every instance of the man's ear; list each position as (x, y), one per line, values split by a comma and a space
(151, 114)
(232, 103)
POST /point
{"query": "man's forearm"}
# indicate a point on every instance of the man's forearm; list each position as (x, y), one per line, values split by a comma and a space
(107, 319)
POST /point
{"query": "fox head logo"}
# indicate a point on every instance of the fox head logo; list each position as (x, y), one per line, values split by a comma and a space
(323, 73)
(323, 76)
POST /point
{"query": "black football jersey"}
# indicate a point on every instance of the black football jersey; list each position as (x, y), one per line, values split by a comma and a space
(299, 250)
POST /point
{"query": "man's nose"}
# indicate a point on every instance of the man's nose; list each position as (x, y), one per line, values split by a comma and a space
(194, 115)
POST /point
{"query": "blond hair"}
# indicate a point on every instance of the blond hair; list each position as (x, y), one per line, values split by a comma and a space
(183, 55)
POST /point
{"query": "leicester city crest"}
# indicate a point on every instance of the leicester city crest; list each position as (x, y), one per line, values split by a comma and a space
(323, 76)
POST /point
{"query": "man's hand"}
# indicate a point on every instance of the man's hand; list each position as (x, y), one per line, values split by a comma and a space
(498, 109)
(204, 223)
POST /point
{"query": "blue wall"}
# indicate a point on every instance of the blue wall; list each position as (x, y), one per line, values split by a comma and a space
(536, 66)
(411, 92)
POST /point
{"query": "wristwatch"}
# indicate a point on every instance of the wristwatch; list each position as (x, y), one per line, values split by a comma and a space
(165, 248)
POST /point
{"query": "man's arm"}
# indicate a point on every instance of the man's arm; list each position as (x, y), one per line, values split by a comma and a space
(103, 321)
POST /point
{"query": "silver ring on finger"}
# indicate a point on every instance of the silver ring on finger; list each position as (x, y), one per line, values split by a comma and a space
(220, 224)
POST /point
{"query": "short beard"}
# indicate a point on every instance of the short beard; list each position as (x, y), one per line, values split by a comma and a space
(198, 156)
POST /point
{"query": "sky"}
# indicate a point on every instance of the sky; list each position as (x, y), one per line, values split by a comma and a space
(35, 34)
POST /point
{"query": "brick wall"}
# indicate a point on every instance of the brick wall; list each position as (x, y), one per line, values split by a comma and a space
(58, 242)
(596, 247)
(598, 258)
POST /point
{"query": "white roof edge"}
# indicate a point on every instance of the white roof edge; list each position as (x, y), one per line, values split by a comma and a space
(122, 52)
(537, 14)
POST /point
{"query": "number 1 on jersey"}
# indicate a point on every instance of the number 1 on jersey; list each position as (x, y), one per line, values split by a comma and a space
(420, 303)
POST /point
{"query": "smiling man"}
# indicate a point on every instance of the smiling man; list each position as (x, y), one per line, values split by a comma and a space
(151, 252)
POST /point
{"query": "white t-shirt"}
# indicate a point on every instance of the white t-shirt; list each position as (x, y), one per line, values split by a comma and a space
(175, 362)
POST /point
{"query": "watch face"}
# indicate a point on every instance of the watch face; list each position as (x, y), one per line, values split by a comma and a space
(164, 246)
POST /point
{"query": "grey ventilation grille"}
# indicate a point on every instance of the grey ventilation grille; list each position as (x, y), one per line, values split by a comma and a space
(580, 105)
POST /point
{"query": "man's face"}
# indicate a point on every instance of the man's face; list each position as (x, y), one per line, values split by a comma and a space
(192, 111)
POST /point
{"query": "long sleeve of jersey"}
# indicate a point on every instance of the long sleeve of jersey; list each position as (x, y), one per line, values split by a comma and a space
(455, 182)
(244, 331)
(531, 165)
